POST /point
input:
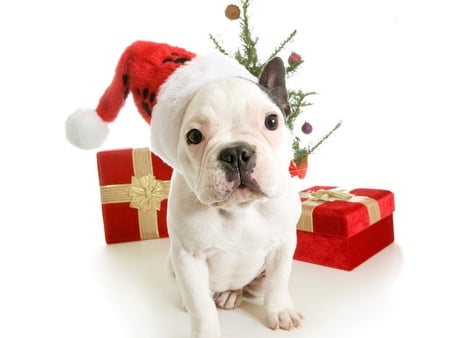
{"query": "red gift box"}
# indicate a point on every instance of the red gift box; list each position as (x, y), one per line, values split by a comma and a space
(134, 185)
(343, 229)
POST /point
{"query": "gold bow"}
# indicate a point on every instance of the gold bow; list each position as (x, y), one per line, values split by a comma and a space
(328, 195)
(147, 192)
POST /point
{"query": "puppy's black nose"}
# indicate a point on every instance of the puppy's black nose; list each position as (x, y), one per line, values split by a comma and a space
(238, 157)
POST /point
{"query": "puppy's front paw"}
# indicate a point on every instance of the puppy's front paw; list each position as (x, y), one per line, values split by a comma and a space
(228, 299)
(285, 319)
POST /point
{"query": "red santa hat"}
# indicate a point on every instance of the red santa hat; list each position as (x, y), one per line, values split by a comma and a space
(162, 80)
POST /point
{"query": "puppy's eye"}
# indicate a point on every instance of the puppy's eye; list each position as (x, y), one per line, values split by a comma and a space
(271, 122)
(194, 136)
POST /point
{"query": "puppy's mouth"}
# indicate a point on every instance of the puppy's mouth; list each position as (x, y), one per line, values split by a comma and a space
(247, 183)
(244, 190)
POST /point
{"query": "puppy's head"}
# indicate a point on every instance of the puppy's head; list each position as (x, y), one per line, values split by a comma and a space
(233, 145)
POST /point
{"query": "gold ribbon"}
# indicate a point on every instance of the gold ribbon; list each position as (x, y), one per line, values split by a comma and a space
(145, 193)
(329, 195)
(326, 195)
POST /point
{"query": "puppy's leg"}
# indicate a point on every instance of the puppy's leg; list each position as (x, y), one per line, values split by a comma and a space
(192, 277)
(172, 282)
(277, 300)
(255, 289)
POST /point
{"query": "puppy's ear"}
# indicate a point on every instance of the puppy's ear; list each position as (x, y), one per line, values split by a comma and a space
(272, 77)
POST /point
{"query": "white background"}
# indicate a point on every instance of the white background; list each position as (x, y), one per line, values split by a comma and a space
(380, 66)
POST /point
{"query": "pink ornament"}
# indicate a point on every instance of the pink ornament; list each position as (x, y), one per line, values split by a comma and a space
(294, 59)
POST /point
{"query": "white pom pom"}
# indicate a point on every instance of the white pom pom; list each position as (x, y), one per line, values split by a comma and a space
(85, 129)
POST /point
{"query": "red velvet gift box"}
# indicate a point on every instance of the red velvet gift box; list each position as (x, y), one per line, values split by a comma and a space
(342, 229)
(134, 185)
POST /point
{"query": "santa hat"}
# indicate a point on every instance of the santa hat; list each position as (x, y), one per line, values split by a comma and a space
(162, 80)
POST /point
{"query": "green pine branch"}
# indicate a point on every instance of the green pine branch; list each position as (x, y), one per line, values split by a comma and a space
(293, 68)
(217, 45)
(281, 47)
(310, 149)
(297, 102)
(249, 56)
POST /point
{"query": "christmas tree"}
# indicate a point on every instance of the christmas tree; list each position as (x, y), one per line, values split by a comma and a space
(247, 55)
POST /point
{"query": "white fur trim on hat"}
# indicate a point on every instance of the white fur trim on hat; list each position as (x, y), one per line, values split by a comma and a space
(85, 129)
(176, 93)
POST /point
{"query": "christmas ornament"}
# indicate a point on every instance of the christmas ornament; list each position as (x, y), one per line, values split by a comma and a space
(232, 12)
(294, 59)
(299, 164)
(307, 128)
(299, 169)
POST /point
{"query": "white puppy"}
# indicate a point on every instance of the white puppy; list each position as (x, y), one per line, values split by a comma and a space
(232, 208)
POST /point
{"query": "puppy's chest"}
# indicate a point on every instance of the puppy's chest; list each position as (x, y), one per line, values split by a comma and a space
(236, 253)
(242, 242)
(234, 261)
(242, 234)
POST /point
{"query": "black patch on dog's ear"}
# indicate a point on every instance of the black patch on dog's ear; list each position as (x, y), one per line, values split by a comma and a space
(273, 78)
